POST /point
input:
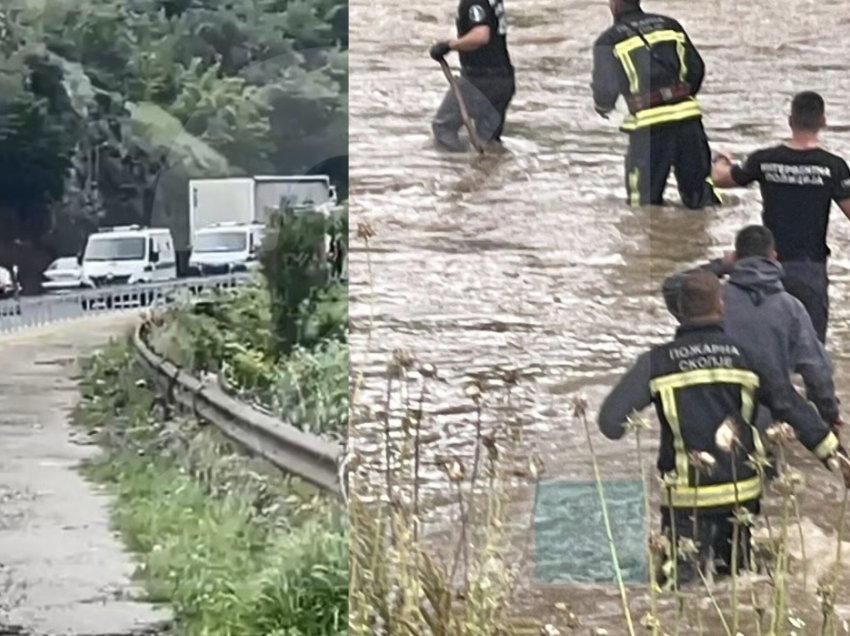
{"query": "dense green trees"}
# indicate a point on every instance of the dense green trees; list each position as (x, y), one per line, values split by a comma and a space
(108, 106)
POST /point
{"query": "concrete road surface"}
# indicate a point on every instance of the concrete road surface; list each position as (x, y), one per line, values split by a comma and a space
(62, 569)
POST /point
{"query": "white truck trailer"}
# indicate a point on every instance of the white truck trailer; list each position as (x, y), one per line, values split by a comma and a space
(227, 217)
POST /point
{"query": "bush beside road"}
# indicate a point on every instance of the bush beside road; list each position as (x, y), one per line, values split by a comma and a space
(230, 543)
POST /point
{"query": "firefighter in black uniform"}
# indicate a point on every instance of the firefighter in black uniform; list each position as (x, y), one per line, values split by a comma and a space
(651, 62)
(706, 395)
(487, 75)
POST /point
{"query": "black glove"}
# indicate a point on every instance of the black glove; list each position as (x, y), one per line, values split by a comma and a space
(439, 50)
(601, 112)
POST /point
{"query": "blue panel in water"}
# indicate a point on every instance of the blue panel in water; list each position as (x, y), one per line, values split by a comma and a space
(571, 545)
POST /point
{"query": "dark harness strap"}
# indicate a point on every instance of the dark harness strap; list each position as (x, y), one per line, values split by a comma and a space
(658, 97)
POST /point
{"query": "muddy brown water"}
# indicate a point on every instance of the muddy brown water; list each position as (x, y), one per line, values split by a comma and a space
(529, 259)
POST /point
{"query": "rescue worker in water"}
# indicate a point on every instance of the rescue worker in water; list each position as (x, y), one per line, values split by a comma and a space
(650, 60)
(707, 415)
(487, 75)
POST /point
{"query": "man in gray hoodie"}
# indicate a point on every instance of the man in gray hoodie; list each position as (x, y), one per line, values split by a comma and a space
(769, 324)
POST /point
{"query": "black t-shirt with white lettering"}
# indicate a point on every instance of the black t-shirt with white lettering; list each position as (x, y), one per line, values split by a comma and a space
(493, 55)
(797, 190)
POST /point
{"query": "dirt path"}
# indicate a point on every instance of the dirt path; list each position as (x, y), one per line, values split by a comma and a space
(62, 570)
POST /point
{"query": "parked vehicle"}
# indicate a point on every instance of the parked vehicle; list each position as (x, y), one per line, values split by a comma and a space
(227, 216)
(298, 191)
(228, 200)
(63, 274)
(223, 248)
(128, 255)
(9, 285)
(213, 201)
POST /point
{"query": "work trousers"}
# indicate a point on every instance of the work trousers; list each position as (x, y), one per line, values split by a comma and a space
(713, 533)
(487, 98)
(654, 150)
(808, 282)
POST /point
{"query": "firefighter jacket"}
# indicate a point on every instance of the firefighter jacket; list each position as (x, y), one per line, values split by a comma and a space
(697, 382)
(651, 62)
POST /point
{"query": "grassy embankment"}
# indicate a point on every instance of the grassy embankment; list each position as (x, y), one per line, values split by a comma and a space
(235, 547)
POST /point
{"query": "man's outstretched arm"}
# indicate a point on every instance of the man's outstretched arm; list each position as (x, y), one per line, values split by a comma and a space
(810, 360)
(673, 284)
(786, 405)
(631, 394)
(845, 207)
(475, 39)
(726, 174)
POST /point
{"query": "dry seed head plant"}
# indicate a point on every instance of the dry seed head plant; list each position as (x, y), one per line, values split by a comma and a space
(727, 435)
(399, 584)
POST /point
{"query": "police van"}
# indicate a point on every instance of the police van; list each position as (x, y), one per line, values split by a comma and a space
(127, 255)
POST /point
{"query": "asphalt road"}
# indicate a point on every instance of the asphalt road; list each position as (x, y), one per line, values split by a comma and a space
(62, 569)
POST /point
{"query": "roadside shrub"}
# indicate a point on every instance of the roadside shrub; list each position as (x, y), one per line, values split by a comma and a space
(234, 548)
(311, 389)
(299, 278)
(308, 576)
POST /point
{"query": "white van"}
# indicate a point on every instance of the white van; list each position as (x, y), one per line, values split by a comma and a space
(128, 255)
(223, 248)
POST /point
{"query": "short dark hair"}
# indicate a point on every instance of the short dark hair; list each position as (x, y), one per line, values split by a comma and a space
(700, 295)
(629, 4)
(807, 110)
(754, 240)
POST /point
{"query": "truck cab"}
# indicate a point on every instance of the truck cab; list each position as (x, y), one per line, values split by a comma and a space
(128, 255)
(224, 248)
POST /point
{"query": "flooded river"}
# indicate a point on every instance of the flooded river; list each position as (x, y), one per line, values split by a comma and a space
(528, 259)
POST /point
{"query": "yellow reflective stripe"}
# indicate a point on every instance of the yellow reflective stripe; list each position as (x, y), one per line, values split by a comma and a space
(827, 447)
(683, 65)
(748, 407)
(631, 73)
(748, 404)
(622, 51)
(655, 37)
(662, 114)
(713, 495)
(634, 187)
(704, 376)
(671, 414)
(714, 189)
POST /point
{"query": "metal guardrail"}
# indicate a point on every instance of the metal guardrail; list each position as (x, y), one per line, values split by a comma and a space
(289, 449)
(293, 451)
(58, 306)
